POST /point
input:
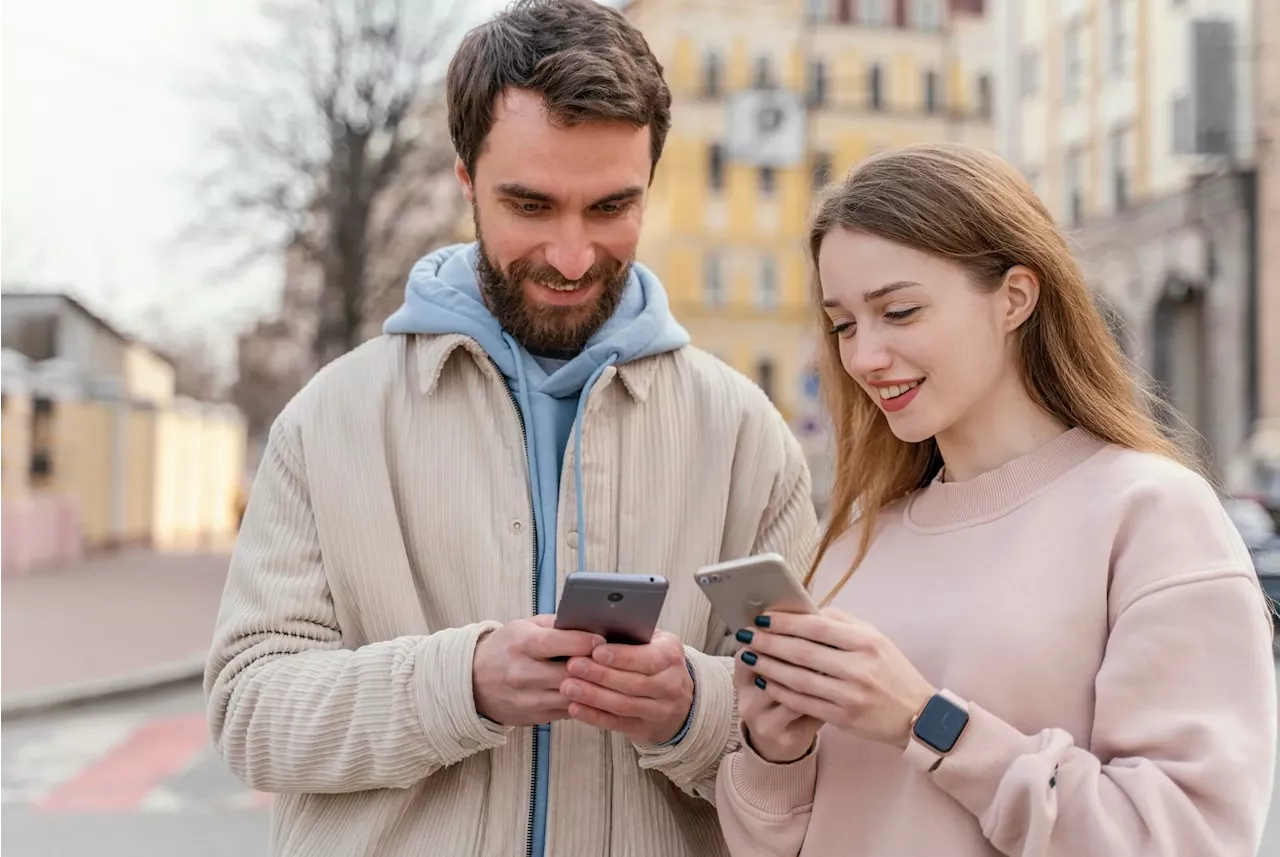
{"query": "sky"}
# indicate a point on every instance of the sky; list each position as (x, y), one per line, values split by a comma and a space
(100, 144)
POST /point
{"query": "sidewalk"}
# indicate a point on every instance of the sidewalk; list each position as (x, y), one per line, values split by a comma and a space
(106, 624)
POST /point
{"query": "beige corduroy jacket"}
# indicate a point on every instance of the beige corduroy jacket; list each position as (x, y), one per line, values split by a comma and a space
(390, 525)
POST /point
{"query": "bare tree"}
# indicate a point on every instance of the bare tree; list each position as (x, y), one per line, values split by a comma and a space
(332, 143)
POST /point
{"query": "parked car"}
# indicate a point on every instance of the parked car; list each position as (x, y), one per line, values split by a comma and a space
(1259, 533)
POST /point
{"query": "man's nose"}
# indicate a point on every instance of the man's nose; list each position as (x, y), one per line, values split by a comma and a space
(571, 253)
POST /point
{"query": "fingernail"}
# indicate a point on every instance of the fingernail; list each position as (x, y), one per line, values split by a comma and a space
(577, 668)
(763, 621)
(603, 656)
(597, 641)
(749, 658)
(573, 691)
(760, 682)
(744, 636)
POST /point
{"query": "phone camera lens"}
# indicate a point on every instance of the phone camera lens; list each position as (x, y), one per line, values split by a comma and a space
(615, 597)
(715, 578)
(705, 580)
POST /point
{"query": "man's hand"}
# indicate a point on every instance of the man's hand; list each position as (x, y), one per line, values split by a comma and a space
(644, 692)
(512, 677)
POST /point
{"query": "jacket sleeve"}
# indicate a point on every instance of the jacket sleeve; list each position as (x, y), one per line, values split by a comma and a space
(290, 709)
(787, 527)
(1183, 747)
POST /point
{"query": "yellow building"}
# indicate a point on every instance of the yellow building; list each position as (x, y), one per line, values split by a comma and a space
(836, 80)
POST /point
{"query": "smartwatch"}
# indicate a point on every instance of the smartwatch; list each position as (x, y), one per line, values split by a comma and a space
(936, 729)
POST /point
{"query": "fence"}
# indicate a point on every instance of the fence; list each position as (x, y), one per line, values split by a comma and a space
(84, 474)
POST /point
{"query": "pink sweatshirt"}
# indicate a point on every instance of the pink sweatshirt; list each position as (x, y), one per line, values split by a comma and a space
(1100, 615)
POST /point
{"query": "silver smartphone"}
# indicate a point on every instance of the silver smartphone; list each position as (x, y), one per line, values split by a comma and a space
(622, 608)
(742, 589)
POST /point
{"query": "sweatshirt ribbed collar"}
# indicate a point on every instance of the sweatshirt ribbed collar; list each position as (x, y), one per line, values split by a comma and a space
(950, 505)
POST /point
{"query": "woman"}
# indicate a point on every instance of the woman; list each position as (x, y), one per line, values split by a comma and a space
(1054, 642)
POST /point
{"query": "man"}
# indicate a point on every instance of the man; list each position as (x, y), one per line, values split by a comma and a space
(385, 659)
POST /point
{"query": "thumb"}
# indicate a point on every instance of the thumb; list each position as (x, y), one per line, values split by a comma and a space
(544, 620)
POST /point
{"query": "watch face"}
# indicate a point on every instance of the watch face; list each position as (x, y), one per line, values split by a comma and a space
(941, 723)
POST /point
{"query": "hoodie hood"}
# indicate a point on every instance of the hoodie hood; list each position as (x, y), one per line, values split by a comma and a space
(443, 296)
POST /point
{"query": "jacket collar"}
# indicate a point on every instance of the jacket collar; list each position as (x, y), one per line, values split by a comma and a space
(432, 351)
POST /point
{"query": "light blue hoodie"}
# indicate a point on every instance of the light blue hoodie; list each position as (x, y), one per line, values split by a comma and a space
(443, 296)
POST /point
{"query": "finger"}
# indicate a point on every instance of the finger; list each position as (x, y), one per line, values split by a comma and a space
(611, 701)
(546, 643)
(629, 683)
(544, 620)
(819, 709)
(818, 657)
(820, 629)
(799, 679)
(648, 658)
(604, 719)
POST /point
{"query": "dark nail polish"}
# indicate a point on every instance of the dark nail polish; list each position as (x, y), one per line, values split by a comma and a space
(743, 636)
(763, 621)
(760, 682)
(749, 658)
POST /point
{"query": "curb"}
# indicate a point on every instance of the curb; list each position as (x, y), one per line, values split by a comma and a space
(59, 696)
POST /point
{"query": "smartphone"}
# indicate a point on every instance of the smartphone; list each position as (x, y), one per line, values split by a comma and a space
(622, 608)
(742, 589)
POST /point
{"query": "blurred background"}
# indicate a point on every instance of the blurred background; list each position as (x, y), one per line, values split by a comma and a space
(202, 204)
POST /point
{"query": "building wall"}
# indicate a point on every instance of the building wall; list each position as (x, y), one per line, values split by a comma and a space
(750, 231)
(1267, 78)
(148, 377)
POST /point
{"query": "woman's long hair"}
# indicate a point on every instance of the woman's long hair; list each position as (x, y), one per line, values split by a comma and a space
(967, 205)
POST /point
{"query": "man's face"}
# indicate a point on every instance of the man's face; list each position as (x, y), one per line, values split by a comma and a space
(557, 212)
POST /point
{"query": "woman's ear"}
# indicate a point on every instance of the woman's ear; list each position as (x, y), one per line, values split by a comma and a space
(1022, 290)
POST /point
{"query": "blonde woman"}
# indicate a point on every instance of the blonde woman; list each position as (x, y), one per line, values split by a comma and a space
(1044, 636)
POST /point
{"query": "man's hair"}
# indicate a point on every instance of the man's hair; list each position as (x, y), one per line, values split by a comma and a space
(585, 60)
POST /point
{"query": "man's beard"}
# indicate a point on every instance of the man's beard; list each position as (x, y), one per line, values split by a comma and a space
(544, 329)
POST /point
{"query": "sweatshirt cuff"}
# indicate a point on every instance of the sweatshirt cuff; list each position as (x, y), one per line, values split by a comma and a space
(972, 772)
(776, 789)
(713, 723)
(443, 692)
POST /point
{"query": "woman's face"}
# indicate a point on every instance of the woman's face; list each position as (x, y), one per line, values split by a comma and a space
(928, 347)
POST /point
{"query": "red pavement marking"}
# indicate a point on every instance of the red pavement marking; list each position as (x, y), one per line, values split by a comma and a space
(121, 780)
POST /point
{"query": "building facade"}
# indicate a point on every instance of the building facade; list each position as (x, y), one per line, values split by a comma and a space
(1134, 121)
(1266, 437)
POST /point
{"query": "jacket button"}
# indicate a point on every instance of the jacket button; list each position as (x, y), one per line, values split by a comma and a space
(573, 539)
(469, 743)
(517, 526)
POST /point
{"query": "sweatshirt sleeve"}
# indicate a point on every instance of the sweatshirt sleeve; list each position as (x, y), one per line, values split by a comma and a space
(788, 527)
(1182, 754)
(290, 709)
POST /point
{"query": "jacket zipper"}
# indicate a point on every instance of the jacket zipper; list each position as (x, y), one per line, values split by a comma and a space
(533, 772)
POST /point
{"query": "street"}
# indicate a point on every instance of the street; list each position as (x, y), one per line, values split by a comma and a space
(136, 776)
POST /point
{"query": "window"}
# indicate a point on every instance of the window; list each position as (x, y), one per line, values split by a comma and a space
(767, 284)
(1120, 158)
(1119, 24)
(711, 72)
(931, 91)
(984, 95)
(1180, 114)
(1073, 186)
(816, 11)
(1073, 62)
(1029, 72)
(762, 75)
(817, 83)
(926, 14)
(821, 170)
(715, 166)
(873, 13)
(844, 11)
(713, 288)
(875, 86)
(764, 375)
(768, 181)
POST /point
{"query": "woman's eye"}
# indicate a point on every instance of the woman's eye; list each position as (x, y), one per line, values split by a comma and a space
(843, 328)
(901, 314)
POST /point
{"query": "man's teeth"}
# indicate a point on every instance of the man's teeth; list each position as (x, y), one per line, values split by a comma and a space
(564, 287)
(896, 390)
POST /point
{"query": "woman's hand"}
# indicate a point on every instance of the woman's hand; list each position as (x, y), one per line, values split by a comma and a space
(838, 670)
(775, 732)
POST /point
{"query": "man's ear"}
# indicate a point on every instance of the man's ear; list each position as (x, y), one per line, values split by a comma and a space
(464, 180)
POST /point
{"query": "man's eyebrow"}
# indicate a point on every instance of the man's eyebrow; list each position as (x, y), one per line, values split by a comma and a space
(624, 195)
(515, 190)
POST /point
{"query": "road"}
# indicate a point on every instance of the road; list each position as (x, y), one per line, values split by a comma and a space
(136, 776)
